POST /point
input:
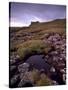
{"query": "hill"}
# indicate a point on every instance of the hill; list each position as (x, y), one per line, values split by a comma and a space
(36, 30)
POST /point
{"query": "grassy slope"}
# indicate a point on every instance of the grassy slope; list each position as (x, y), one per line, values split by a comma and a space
(36, 31)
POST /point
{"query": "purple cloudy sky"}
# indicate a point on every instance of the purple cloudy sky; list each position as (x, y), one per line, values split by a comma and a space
(23, 13)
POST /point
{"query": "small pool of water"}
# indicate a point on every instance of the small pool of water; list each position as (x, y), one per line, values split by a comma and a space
(38, 62)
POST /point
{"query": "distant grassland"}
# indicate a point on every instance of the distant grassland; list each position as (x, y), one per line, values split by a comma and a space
(34, 34)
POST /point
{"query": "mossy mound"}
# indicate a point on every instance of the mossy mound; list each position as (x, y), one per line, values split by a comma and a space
(44, 81)
(33, 47)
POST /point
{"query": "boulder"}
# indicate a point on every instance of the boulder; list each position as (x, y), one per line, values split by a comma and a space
(23, 67)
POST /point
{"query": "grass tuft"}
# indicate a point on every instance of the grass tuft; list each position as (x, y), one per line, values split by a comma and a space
(33, 47)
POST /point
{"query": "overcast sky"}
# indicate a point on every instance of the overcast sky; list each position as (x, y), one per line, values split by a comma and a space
(21, 14)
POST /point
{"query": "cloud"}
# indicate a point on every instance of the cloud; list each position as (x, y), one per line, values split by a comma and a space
(17, 24)
(35, 18)
(23, 13)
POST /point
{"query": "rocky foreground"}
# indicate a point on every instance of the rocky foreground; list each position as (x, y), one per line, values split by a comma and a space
(22, 74)
(57, 56)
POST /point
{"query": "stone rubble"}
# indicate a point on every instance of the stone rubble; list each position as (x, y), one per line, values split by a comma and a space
(57, 57)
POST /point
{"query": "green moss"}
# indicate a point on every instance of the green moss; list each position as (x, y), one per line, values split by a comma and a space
(44, 81)
(33, 46)
(35, 75)
(40, 79)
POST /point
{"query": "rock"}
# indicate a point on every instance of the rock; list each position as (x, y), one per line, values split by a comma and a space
(52, 69)
(50, 38)
(61, 58)
(54, 39)
(21, 75)
(30, 76)
(25, 83)
(12, 68)
(24, 75)
(12, 56)
(27, 76)
(17, 57)
(57, 47)
(61, 65)
(55, 58)
(54, 53)
(42, 71)
(23, 67)
(12, 61)
(64, 40)
(64, 77)
(64, 52)
(57, 35)
(59, 42)
(54, 82)
(46, 57)
(14, 79)
(21, 83)
(62, 71)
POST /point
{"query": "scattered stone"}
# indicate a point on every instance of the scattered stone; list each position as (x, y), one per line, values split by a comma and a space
(62, 71)
(61, 58)
(64, 77)
(54, 82)
(23, 67)
(14, 79)
(42, 71)
(12, 61)
(25, 83)
(12, 68)
(17, 57)
(54, 53)
(52, 69)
